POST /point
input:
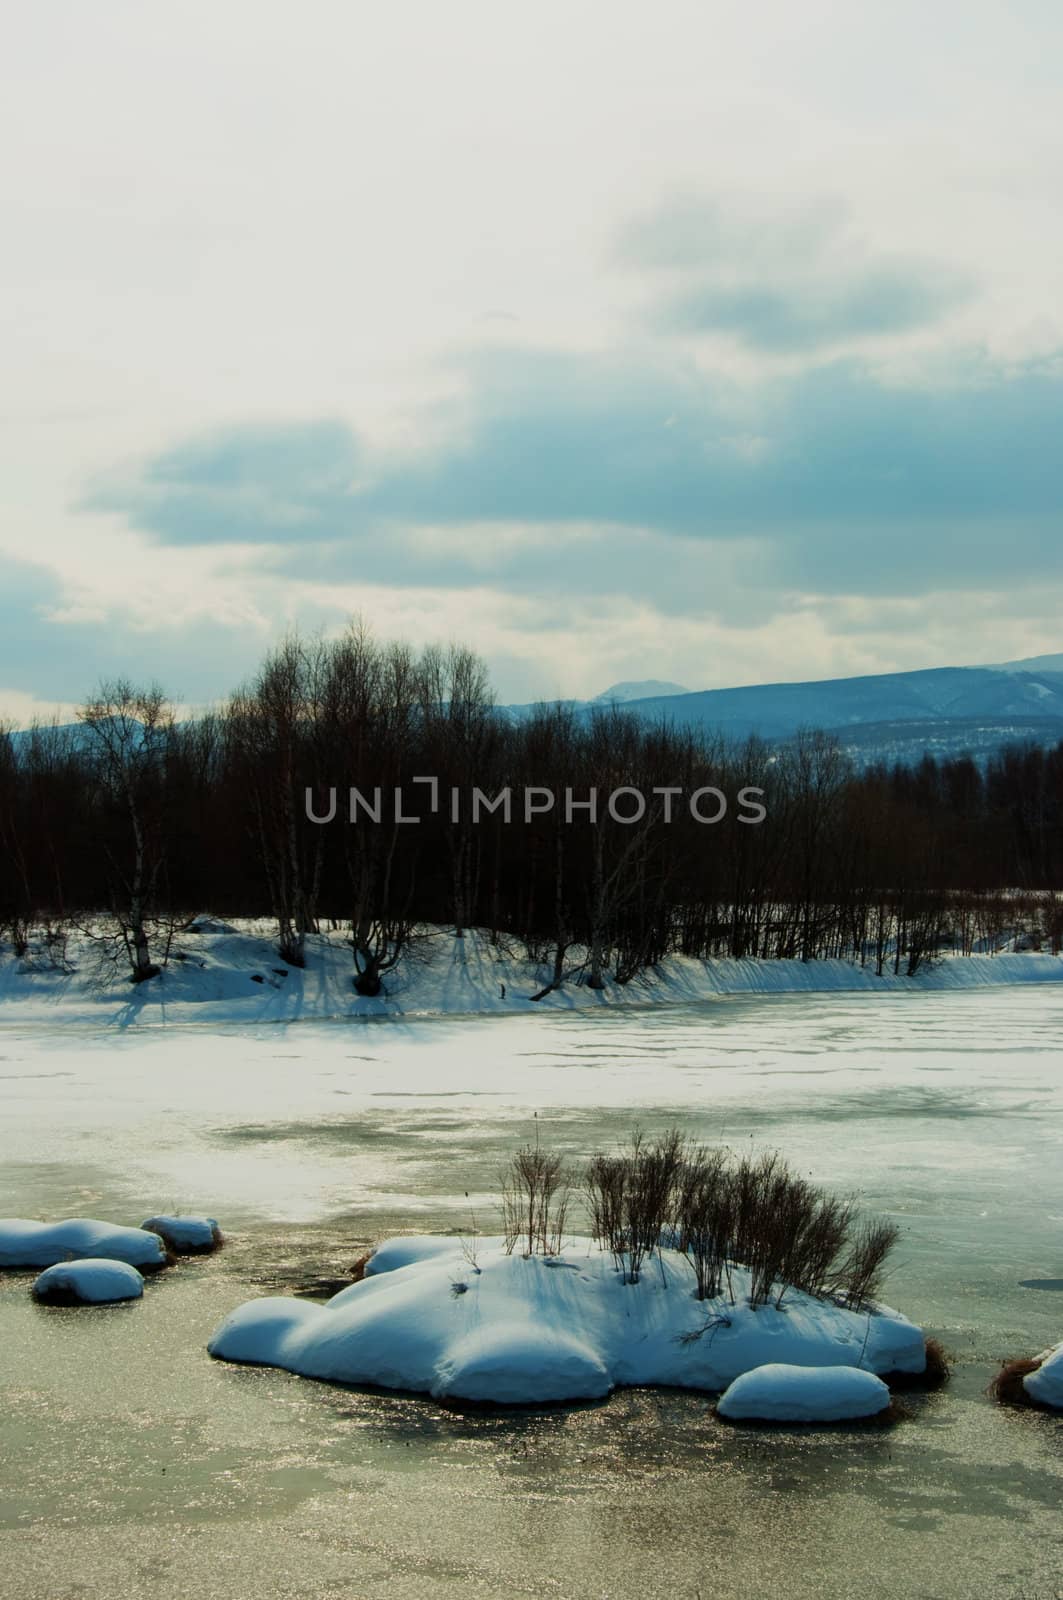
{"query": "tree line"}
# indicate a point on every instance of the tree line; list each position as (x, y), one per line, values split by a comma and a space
(130, 821)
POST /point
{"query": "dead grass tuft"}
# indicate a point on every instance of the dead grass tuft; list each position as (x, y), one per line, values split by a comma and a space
(938, 1371)
(1008, 1389)
(359, 1265)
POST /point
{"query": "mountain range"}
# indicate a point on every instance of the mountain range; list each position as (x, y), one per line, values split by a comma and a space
(885, 716)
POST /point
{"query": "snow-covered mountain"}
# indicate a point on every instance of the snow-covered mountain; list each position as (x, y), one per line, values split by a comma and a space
(1034, 664)
(892, 716)
(648, 689)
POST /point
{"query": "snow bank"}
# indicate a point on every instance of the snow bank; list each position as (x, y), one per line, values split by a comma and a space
(89, 1282)
(526, 1331)
(781, 1393)
(1046, 1384)
(42, 1244)
(221, 971)
(186, 1236)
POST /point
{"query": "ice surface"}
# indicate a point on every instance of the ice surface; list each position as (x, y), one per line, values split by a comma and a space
(308, 1139)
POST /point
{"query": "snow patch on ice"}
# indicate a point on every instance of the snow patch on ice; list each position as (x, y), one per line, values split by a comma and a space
(783, 1393)
(92, 1282)
(185, 1235)
(42, 1244)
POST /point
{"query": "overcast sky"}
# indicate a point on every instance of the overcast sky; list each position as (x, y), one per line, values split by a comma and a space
(720, 343)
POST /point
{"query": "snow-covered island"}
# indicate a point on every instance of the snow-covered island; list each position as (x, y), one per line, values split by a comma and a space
(463, 1319)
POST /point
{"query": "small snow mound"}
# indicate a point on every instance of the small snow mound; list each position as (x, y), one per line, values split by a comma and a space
(256, 1332)
(781, 1393)
(186, 1236)
(1046, 1384)
(25, 1243)
(205, 924)
(517, 1364)
(409, 1248)
(90, 1282)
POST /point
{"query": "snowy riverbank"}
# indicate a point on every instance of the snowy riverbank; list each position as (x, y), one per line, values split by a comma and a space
(234, 974)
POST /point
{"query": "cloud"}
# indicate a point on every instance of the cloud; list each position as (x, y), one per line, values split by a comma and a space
(54, 650)
(780, 281)
(241, 484)
(694, 233)
(596, 474)
(783, 317)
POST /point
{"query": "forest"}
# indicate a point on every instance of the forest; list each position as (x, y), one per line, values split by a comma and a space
(130, 821)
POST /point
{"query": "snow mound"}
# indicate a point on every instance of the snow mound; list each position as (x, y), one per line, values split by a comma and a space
(782, 1393)
(526, 1331)
(1046, 1384)
(495, 1364)
(208, 924)
(42, 1244)
(89, 1282)
(410, 1247)
(186, 1236)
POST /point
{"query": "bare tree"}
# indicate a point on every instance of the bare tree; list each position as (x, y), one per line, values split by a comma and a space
(16, 899)
(129, 729)
(268, 728)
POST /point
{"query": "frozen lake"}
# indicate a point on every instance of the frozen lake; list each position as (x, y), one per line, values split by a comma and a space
(131, 1463)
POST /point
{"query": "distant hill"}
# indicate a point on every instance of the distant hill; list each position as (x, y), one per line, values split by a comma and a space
(1034, 664)
(650, 688)
(892, 716)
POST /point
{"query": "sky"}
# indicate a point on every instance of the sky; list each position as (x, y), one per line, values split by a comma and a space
(717, 343)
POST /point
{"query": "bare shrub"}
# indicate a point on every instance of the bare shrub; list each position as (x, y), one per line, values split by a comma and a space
(604, 1186)
(654, 1172)
(859, 1276)
(821, 1229)
(470, 1248)
(631, 1197)
(535, 1200)
(761, 1237)
(722, 1212)
(757, 1213)
(705, 1219)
